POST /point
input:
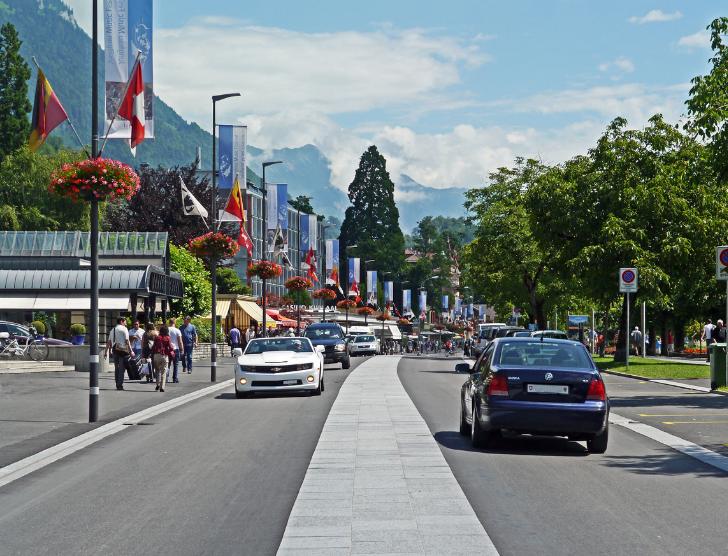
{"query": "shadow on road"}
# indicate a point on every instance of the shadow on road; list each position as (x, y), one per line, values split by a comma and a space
(663, 464)
(524, 445)
(231, 396)
(697, 401)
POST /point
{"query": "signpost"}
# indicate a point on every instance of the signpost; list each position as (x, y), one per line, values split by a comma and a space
(721, 273)
(627, 284)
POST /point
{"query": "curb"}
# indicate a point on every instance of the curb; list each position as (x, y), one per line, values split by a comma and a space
(659, 381)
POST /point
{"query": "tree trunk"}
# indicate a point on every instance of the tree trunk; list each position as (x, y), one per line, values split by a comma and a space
(652, 346)
(678, 335)
(663, 338)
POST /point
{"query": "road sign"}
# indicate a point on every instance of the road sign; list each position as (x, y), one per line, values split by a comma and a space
(721, 263)
(627, 280)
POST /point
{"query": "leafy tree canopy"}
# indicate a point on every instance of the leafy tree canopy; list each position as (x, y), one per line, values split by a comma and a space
(14, 103)
(228, 281)
(197, 300)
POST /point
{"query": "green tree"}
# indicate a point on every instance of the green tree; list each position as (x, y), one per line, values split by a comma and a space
(24, 179)
(14, 103)
(301, 203)
(197, 300)
(228, 281)
(372, 222)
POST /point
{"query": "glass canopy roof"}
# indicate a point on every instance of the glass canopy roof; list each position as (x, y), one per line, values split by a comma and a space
(77, 244)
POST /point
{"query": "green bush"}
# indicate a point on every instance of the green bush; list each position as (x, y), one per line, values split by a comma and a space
(204, 331)
(39, 326)
(77, 330)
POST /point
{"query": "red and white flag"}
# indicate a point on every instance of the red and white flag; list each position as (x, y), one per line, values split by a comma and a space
(311, 262)
(132, 108)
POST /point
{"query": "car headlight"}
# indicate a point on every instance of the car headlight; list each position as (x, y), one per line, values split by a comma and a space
(304, 366)
(246, 368)
(339, 347)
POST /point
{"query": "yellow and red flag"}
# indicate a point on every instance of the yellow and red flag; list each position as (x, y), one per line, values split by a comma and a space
(235, 203)
(47, 112)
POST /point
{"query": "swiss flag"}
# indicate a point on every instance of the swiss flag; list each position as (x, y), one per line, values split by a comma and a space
(132, 108)
(311, 262)
(244, 240)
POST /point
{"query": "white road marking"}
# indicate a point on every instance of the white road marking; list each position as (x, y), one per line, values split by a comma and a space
(14, 471)
(679, 444)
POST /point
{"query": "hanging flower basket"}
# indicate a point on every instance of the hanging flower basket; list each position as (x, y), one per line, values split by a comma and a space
(468, 329)
(298, 283)
(383, 316)
(213, 244)
(440, 327)
(403, 322)
(325, 294)
(95, 179)
(346, 305)
(265, 269)
(365, 311)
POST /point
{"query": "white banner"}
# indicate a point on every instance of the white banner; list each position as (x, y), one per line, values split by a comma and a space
(127, 30)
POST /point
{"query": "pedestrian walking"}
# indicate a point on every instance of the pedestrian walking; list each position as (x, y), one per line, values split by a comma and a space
(636, 338)
(707, 335)
(147, 342)
(670, 343)
(600, 344)
(120, 348)
(719, 333)
(175, 337)
(162, 354)
(234, 336)
(135, 336)
(189, 342)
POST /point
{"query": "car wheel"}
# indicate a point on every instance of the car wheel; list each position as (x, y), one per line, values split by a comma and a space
(598, 444)
(464, 426)
(318, 390)
(240, 395)
(478, 437)
(346, 364)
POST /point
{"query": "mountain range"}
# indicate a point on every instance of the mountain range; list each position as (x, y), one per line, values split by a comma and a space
(49, 32)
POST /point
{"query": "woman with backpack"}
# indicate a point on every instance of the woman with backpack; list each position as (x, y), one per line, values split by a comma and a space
(162, 354)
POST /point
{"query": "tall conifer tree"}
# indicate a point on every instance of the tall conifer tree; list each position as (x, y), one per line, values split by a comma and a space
(372, 222)
(14, 103)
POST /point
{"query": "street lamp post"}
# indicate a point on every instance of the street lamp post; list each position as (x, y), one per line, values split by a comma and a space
(325, 227)
(422, 287)
(265, 236)
(215, 225)
(93, 378)
(300, 200)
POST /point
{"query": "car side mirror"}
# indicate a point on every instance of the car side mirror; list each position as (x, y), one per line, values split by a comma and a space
(463, 368)
(320, 349)
(237, 352)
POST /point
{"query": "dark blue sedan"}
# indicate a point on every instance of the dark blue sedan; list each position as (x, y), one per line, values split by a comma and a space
(535, 386)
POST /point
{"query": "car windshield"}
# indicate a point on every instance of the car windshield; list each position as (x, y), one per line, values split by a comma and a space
(322, 333)
(360, 339)
(550, 354)
(278, 344)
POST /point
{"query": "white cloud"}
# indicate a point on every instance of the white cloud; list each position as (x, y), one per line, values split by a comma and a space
(701, 39)
(655, 15)
(278, 70)
(622, 64)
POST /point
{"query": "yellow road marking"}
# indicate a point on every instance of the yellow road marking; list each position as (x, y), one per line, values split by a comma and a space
(692, 422)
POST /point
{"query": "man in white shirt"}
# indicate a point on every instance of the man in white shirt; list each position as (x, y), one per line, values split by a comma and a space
(707, 336)
(135, 336)
(119, 335)
(175, 337)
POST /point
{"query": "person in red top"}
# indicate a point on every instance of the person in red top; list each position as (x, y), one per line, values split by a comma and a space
(670, 343)
(162, 353)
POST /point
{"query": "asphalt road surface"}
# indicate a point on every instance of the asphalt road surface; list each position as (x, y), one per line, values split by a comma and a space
(550, 496)
(215, 476)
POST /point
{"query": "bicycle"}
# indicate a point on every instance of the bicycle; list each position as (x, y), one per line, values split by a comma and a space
(36, 349)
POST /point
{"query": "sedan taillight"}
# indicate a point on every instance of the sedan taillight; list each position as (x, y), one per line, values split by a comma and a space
(596, 391)
(498, 386)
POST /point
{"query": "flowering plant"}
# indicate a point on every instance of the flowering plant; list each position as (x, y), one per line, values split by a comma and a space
(403, 322)
(383, 316)
(468, 329)
(365, 311)
(265, 269)
(325, 294)
(95, 179)
(346, 305)
(213, 244)
(287, 301)
(298, 283)
(440, 327)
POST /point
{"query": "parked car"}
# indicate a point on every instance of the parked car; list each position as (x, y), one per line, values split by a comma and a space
(364, 344)
(22, 333)
(487, 335)
(536, 386)
(279, 364)
(553, 334)
(331, 336)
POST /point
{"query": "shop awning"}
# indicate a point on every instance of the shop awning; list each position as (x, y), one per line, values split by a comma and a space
(63, 302)
(223, 308)
(254, 312)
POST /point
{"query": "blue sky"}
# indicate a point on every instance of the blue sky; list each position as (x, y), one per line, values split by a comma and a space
(448, 91)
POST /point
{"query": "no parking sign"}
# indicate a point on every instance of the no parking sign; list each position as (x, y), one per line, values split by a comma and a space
(627, 280)
(721, 263)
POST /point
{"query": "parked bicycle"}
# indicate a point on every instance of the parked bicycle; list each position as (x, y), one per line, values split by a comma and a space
(36, 349)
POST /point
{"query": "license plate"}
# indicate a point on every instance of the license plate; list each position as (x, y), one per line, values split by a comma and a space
(547, 389)
(285, 382)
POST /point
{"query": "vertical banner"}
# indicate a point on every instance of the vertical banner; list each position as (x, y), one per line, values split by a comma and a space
(388, 294)
(482, 313)
(127, 30)
(278, 214)
(354, 278)
(406, 302)
(231, 159)
(372, 287)
(332, 261)
(423, 305)
(303, 231)
(471, 313)
(445, 302)
(457, 305)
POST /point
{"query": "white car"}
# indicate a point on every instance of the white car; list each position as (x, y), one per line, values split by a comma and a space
(364, 344)
(278, 365)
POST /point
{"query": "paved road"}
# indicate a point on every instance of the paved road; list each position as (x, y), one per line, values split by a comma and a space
(215, 476)
(546, 496)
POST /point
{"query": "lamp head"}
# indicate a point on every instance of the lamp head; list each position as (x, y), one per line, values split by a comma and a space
(215, 98)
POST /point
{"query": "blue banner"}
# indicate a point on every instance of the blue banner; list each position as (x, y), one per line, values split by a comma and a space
(231, 158)
(423, 300)
(372, 287)
(303, 231)
(332, 261)
(278, 213)
(457, 305)
(445, 302)
(388, 292)
(407, 300)
(471, 313)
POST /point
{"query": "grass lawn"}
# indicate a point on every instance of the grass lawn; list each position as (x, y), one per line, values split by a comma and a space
(650, 368)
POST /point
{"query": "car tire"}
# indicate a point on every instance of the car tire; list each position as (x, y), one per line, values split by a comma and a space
(240, 395)
(478, 437)
(464, 426)
(598, 444)
(346, 364)
(318, 390)
(323, 386)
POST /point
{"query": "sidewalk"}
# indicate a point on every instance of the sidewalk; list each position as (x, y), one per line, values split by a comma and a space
(40, 410)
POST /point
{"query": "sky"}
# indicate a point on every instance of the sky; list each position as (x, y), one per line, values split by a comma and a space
(448, 91)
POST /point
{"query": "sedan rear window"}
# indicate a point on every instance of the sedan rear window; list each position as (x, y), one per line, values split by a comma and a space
(550, 354)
